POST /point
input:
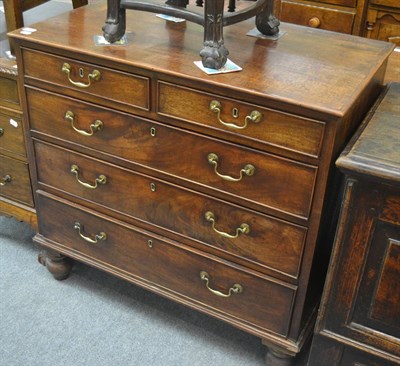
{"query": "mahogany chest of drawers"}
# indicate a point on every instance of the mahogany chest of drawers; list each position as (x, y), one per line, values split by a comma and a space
(359, 318)
(214, 191)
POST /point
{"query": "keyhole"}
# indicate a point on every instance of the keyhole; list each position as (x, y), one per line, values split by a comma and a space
(153, 187)
(81, 72)
(152, 131)
(235, 113)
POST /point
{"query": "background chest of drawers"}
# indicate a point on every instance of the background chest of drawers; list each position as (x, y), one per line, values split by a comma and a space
(378, 19)
(16, 197)
(214, 191)
(359, 319)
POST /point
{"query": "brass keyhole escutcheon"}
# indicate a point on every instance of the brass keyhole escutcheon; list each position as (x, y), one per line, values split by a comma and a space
(235, 113)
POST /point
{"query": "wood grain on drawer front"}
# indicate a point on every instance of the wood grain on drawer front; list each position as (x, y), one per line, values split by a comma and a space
(9, 91)
(113, 85)
(274, 128)
(277, 183)
(271, 244)
(11, 134)
(14, 180)
(317, 17)
(168, 267)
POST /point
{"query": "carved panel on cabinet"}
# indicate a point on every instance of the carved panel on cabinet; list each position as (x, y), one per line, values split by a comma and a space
(384, 26)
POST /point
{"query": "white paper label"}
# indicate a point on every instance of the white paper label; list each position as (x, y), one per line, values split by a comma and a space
(13, 123)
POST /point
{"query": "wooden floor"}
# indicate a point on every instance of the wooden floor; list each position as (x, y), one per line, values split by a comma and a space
(393, 68)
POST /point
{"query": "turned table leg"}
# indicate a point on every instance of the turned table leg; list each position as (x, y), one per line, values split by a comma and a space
(214, 54)
(115, 25)
(57, 264)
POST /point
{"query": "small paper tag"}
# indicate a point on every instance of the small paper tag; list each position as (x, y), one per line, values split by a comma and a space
(99, 40)
(13, 123)
(228, 67)
(256, 33)
(28, 29)
(170, 18)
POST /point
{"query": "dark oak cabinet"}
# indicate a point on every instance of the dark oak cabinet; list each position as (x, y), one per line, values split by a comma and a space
(359, 321)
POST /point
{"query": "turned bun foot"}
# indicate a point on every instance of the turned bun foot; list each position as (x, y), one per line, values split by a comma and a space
(57, 264)
(276, 356)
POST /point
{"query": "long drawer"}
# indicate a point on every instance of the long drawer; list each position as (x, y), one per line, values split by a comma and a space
(168, 267)
(249, 121)
(14, 180)
(89, 80)
(317, 17)
(267, 242)
(263, 179)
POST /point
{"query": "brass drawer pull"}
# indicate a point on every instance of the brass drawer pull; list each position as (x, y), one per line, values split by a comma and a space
(235, 289)
(94, 76)
(102, 179)
(94, 127)
(6, 179)
(243, 229)
(216, 107)
(100, 236)
(248, 169)
(1, 131)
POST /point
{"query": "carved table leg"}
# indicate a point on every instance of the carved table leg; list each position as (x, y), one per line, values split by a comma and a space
(214, 54)
(278, 356)
(266, 22)
(57, 264)
(115, 25)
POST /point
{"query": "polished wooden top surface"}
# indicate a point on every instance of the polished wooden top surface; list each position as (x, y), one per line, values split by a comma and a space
(310, 68)
(376, 150)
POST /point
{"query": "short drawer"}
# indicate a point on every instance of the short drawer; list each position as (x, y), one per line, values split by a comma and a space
(317, 17)
(11, 134)
(245, 236)
(250, 121)
(261, 179)
(9, 91)
(167, 267)
(15, 183)
(88, 79)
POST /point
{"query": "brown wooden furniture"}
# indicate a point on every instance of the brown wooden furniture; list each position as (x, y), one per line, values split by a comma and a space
(16, 197)
(14, 9)
(214, 53)
(379, 19)
(359, 321)
(214, 191)
(344, 16)
(383, 20)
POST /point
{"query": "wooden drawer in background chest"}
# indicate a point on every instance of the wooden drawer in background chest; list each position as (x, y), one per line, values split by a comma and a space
(316, 16)
(11, 134)
(14, 180)
(169, 267)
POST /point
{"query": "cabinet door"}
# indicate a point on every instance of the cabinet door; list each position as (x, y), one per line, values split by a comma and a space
(384, 25)
(364, 299)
